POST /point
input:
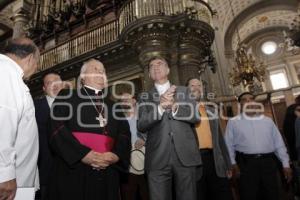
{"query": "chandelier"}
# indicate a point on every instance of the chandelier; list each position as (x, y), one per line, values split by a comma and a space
(246, 70)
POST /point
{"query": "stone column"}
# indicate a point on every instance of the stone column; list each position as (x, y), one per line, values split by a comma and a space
(21, 16)
(20, 21)
(189, 58)
(182, 42)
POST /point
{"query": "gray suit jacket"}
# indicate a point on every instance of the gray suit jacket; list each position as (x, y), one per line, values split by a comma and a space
(220, 151)
(160, 128)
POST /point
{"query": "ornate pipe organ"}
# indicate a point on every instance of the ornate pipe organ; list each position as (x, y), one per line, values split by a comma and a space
(124, 35)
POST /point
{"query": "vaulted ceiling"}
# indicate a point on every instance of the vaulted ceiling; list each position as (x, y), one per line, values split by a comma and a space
(251, 17)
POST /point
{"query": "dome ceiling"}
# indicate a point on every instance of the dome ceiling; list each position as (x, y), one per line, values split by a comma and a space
(252, 16)
(280, 19)
(224, 14)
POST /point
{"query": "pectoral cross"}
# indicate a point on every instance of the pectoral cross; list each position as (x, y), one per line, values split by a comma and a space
(102, 120)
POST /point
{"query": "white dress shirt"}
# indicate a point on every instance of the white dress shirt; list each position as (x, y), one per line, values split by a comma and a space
(19, 133)
(50, 100)
(161, 89)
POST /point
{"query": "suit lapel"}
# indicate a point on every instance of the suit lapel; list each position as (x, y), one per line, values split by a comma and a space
(45, 104)
(154, 96)
(213, 122)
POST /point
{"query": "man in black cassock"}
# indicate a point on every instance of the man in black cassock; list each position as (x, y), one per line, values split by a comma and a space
(90, 145)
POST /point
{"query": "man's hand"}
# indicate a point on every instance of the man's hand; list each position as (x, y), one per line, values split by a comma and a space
(167, 99)
(100, 160)
(139, 144)
(229, 174)
(110, 157)
(8, 190)
(88, 158)
(174, 107)
(236, 171)
(95, 160)
(288, 174)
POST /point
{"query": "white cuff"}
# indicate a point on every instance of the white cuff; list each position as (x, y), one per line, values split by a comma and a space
(286, 164)
(7, 173)
(160, 110)
(233, 162)
(174, 113)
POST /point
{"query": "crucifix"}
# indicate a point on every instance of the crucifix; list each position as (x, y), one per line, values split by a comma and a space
(102, 120)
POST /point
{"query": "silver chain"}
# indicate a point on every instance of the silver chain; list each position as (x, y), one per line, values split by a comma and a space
(100, 113)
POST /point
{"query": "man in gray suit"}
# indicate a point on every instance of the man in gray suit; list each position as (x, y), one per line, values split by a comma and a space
(216, 167)
(167, 114)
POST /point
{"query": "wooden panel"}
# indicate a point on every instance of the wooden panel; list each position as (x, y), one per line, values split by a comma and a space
(279, 112)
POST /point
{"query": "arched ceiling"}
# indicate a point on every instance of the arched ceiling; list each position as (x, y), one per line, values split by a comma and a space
(278, 18)
(224, 13)
(251, 17)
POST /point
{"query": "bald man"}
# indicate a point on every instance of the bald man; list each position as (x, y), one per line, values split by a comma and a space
(90, 144)
(19, 133)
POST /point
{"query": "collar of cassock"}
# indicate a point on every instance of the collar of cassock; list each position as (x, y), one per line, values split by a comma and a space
(92, 91)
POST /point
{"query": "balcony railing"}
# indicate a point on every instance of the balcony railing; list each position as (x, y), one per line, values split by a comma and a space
(81, 44)
(136, 9)
(130, 12)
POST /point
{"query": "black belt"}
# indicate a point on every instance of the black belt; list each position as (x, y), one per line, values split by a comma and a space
(255, 156)
(206, 151)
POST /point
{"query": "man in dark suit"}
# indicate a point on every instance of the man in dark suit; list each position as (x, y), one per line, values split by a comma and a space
(166, 113)
(216, 165)
(52, 84)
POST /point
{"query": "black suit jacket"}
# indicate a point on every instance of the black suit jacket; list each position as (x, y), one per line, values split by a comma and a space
(42, 114)
(220, 151)
(159, 128)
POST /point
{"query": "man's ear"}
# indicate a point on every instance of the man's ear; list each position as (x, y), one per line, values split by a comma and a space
(82, 80)
(30, 57)
(134, 100)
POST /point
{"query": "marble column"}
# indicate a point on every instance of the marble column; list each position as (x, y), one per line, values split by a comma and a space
(189, 59)
(20, 20)
(21, 12)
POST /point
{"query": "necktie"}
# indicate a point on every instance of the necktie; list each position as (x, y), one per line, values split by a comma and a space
(203, 130)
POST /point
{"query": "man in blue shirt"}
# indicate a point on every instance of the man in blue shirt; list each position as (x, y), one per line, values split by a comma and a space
(134, 182)
(254, 142)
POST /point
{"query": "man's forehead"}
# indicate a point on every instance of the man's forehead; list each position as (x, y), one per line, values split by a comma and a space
(96, 65)
(51, 77)
(157, 61)
(247, 96)
(195, 82)
(126, 96)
